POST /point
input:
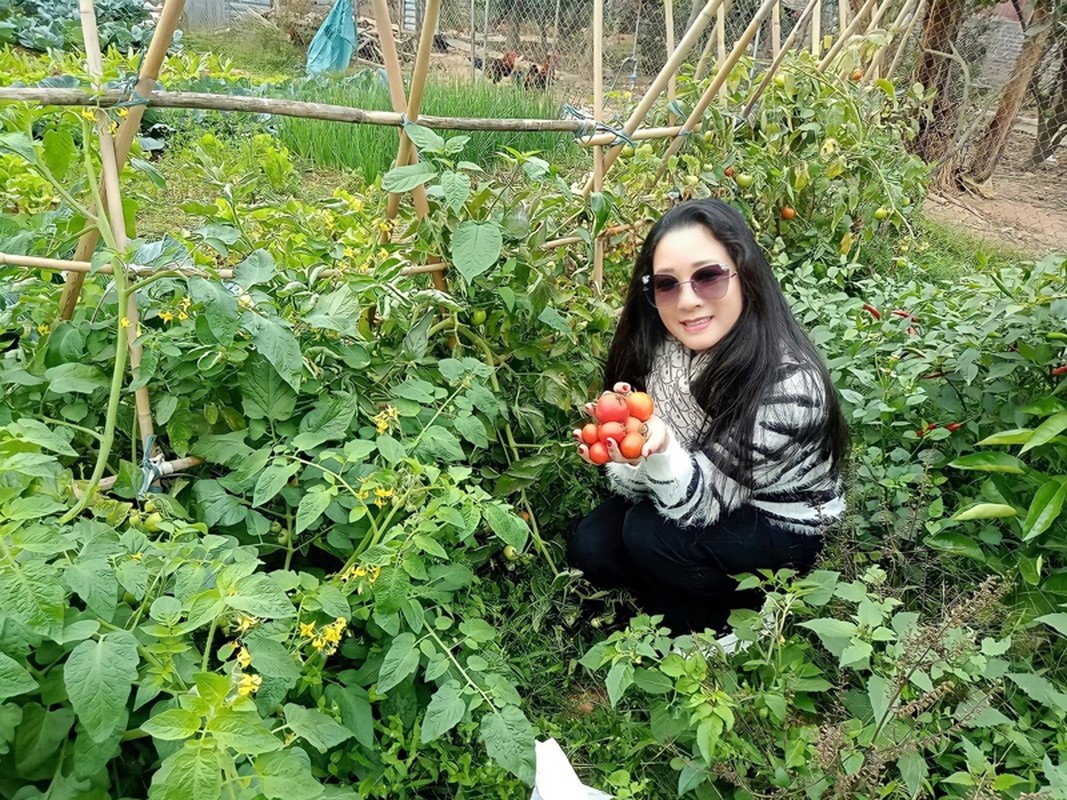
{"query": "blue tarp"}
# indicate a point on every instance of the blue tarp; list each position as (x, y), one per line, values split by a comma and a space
(335, 42)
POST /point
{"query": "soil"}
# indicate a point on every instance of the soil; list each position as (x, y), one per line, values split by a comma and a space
(1027, 209)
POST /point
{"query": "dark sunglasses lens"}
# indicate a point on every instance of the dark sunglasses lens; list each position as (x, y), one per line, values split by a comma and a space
(665, 290)
(711, 282)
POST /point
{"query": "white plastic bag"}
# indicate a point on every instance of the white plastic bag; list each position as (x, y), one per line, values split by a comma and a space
(556, 779)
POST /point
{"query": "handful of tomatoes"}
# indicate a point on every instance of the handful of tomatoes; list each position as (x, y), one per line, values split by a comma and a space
(619, 417)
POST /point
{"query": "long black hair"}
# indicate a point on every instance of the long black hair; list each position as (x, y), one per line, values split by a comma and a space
(740, 368)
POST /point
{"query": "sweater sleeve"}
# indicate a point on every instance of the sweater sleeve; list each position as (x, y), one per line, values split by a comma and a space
(686, 487)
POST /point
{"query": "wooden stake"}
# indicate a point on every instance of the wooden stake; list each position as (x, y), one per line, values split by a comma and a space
(704, 60)
(809, 9)
(845, 35)
(598, 116)
(920, 10)
(660, 81)
(871, 25)
(776, 30)
(672, 84)
(407, 153)
(842, 16)
(110, 168)
(720, 79)
(720, 41)
(872, 72)
(146, 82)
(816, 29)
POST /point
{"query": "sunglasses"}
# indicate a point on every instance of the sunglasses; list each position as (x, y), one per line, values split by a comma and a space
(709, 283)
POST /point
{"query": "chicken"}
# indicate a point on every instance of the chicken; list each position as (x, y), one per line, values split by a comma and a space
(497, 68)
(539, 77)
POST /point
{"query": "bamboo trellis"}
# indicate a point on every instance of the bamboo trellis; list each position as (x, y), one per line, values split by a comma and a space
(114, 150)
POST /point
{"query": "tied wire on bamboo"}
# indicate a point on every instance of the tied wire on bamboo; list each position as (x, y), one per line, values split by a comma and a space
(598, 116)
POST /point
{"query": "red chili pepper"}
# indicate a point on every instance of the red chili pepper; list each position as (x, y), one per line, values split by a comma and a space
(874, 312)
(1060, 370)
(926, 430)
(911, 331)
(954, 426)
(899, 312)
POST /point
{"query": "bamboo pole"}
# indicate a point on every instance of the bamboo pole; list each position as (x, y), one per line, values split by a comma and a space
(110, 167)
(146, 82)
(672, 84)
(660, 81)
(903, 43)
(842, 16)
(809, 9)
(875, 67)
(879, 12)
(776, 30)
(845, 35)
(720, 43)
(598, 116)
(816, 30)
(85, 267)
(725, 67)
(705, 58)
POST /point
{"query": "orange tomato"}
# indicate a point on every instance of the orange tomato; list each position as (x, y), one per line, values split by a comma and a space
(640, 405)
(631, 445)
(590, 433)
(598, 454)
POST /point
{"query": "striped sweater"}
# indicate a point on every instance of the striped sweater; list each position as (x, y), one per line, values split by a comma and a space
(792, 484)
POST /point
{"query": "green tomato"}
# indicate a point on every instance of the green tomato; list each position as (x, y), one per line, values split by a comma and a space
(149, 505)
(645, 149)
(627, 151)
(510, 553)
(478, 317)
(744, 180)
(691, 180)
(153, 522)
(881, 213)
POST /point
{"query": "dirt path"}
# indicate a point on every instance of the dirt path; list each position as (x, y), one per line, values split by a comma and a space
(1028, 211)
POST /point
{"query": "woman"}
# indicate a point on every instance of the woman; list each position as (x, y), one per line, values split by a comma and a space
(741, 467)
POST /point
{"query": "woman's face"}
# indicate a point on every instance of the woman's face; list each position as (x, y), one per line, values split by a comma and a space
(696, 318)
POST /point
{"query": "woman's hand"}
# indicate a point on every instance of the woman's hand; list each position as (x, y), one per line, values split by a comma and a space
(656, 440)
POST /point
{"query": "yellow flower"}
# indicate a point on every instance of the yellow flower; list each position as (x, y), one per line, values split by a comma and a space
(244, 658)
(248, 684)
(182, 315)
(125, 322)
(245, 623)
(166, 316)
(381, 495)
(307, 629)
(136, 556)
(186, 302)
(318, 643)
(123, 112)
(350, 253)
(88, 114)
(245, 301)
(374, 573)
(43, 329)
(340, 622)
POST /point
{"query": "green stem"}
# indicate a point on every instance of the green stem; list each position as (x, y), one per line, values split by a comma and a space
(207, 645)
(455, 662)
(72, 426)
(112, 413)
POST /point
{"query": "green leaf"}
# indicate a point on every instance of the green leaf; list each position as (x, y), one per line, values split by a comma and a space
(285, 776)
(75, 379)
(1013, 436)
(32, 507)
(355, 708)
(172, 725)
(553, 319)
(14, 678)
(1057, 621)
(20, 145)
(831, 631)
(328, 421)
(523, 473)
(191, 773)
(336, 311)
(217, 506)
(32, 594)
(913, 771)
(279, 346)
(260, 596)
(424, 138)
(273, 660)
(509, 739)
(620, 677)
(990, 462)
(35, 432)
(406, 178)
(652, 681)
(258, 267)
(457, 188)
(956, 543)
(879, 691)
(476, 247)
(320, 731)
(98, 676)
(391, 450)
(440, 444)
(472, 429)
(1047, 431)
(311, 507)
(244, 732)
(985, 511)
(1040, 689)
(400, 661)
(445, 711)
(220, 307)
(264, 394)
(509, 527)
(1044, 508)
(272, 480)
(94, 581)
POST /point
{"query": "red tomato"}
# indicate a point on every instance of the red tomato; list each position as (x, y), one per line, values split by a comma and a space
(590, 433)
(598, 454)
(612, 430)
(631, 446)
(611, 407)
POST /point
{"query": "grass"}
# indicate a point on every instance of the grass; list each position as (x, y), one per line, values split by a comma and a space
(262, 51)
(370, 150)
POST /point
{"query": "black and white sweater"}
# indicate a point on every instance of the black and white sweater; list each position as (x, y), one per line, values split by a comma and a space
(792, 484)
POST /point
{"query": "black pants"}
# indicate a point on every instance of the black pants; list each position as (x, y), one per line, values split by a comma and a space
(683, 573)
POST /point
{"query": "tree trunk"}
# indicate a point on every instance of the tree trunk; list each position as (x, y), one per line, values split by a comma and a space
(944, 18)
(1052, 118)
(990, 149)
